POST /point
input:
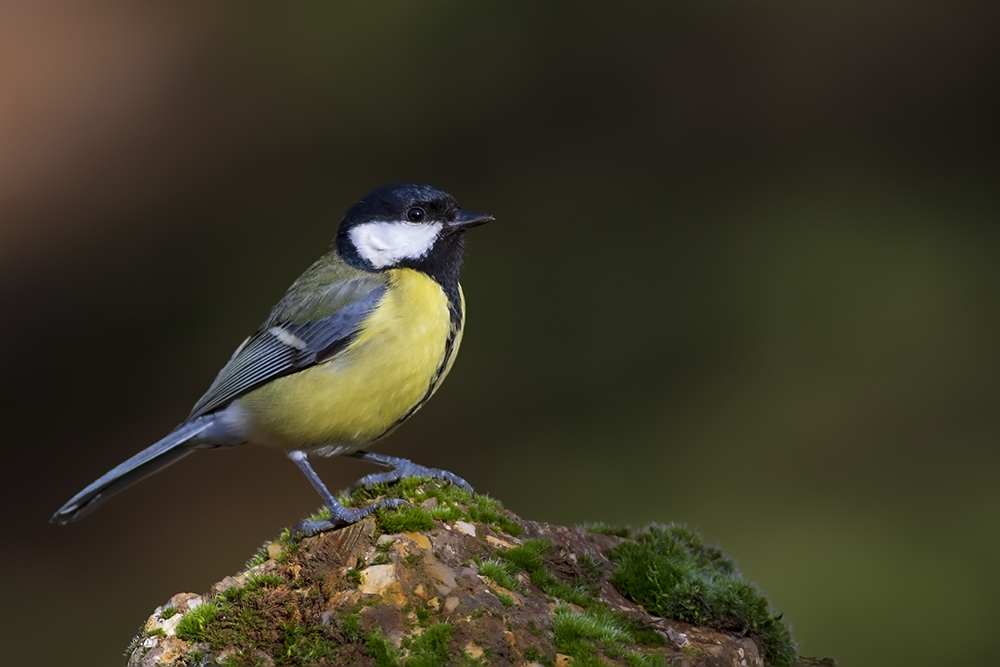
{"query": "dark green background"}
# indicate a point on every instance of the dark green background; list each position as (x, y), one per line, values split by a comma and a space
(744, 276)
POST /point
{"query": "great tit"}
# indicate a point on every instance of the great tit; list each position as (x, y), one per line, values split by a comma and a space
(355, 346)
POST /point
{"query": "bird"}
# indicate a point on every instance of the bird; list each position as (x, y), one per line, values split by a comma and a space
(358, 343)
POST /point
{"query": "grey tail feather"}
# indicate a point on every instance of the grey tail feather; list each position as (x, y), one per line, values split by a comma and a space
(181, 442)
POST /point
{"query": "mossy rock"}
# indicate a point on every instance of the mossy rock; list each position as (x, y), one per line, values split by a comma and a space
(455, 579)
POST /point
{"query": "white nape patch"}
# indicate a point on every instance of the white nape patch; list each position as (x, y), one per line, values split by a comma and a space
(386, 243)
(288, 338)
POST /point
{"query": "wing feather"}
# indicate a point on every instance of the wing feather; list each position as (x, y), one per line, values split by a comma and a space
(285, 344)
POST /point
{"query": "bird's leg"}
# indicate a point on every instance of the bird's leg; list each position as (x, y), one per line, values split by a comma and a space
(400, 468)
(340, 516)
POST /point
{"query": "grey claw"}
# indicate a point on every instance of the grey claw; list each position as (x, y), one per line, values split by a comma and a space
(341, 516)
(401, 468)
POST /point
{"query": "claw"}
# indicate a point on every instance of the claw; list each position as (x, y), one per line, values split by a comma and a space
(400, 468)
(341, 516)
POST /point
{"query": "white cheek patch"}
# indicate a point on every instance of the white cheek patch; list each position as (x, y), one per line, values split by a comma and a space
(386, 243)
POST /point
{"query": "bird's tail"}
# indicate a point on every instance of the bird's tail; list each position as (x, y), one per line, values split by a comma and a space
(181, 442)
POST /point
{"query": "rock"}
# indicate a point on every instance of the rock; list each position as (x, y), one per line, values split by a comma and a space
(441, 572)
(496, 542)
(466, 528)
(474, 651)
(184, 601)
(377, 578)
(228, 582)
(489, 587)
(160, 651)
(418, 539)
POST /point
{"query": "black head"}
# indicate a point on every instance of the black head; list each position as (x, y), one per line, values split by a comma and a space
(406, 225)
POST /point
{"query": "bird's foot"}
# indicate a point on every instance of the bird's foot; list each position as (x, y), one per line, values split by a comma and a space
(341, 516)
(400, 468)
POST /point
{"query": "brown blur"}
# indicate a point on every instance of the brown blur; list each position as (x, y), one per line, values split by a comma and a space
(744, 276)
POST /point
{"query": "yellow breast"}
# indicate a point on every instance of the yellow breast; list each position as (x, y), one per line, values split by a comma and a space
(379, 379)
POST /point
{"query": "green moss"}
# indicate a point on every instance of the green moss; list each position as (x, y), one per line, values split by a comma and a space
(258, 617)
(423, 614)
(266, 580)
(134, 644)
(156, 632)
(322, 514)
(505, 599)
(454, 503)
(192, 626)
(259, 558)
(499, 572)
(488, 510)
(353, 576)
(591, 571)
(527, 556)
(404, 518)
(569, 627)
(352, 627)
(605, 529)
(381, 650)
(583, 636)
(194, 658)
(302, 645)
(672, 573)
(288, 541)
(168, 612)
(381, 559)
(233, 594)
(430, 648)
(640, 660)
(599, 627)
(448, 513)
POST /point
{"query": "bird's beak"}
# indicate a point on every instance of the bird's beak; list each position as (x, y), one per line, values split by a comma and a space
(468, 219)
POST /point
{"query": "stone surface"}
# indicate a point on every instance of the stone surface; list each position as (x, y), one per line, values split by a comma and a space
(431, 578)
(466, 528)
(377, 578)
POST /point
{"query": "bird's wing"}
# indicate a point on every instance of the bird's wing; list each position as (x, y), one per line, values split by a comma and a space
(307, 327)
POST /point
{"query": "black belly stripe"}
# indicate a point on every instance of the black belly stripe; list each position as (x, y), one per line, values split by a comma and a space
(442, 265)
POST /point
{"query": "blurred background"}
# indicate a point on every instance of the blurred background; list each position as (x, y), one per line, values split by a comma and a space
(744, 276)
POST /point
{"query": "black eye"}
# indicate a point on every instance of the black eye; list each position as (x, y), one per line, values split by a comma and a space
(415, 214)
